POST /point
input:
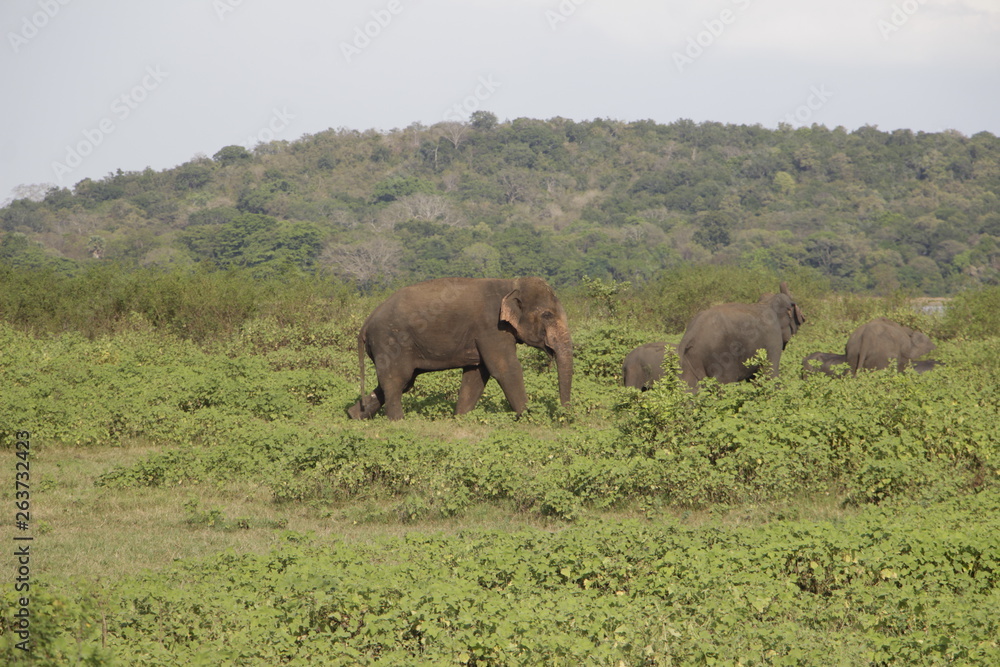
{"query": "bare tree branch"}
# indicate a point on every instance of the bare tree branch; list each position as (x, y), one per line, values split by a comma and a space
(369, 262)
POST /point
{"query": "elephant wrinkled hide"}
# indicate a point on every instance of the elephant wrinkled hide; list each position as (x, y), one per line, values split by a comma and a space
(644, 365)
(470, 323)
(872, 345)
(718, 340)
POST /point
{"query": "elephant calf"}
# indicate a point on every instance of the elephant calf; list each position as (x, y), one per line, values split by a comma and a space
(470, 323)
(644, 365)
(872, 345)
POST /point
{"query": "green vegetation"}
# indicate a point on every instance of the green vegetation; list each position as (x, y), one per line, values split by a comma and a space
(865, 211)
(201, 497)
(181, 345)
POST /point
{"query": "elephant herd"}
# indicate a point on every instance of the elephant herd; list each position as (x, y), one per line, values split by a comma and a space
(476, 323)
(871, 347)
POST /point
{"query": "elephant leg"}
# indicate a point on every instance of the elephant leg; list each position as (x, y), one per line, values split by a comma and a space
(474, 379)
(393, 389)
(774, 356)
(507, 370)
(631, 377)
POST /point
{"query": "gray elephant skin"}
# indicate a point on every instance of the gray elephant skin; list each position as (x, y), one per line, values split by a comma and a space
(717, 341)
(872, 345)
(835, 365)
(470, 323)
(644, 365)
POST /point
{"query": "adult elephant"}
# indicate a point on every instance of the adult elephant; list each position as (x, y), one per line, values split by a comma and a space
(644, 365)
(718, 340)
(872, 345)
(470, 323)
(828, 363)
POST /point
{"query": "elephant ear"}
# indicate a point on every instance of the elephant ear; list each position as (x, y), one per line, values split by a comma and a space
(511, 309)
(795, 314)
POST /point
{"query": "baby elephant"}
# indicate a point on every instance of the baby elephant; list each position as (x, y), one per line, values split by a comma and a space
(644, 365)
(874, 344)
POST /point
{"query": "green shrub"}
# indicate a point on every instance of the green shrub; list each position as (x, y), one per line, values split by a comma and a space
(974, 314)
(890, 586)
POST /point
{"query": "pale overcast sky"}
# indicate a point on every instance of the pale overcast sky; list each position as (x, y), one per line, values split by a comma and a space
(94, 86)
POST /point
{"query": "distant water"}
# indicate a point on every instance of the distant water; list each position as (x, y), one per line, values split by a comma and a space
(934, 308)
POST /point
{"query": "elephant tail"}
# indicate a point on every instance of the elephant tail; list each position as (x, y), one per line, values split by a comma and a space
(862, 356)
(362, 342)
(689, 373)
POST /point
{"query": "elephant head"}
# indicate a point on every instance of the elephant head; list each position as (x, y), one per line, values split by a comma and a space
(789, 314)
(920, 344)
(537, 319)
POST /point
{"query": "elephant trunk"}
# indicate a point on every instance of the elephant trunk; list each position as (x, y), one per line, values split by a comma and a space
(563, 349)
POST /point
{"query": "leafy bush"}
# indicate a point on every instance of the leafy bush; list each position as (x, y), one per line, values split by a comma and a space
(678, 295)
(974, 314)
(599, 350)
(886, 586)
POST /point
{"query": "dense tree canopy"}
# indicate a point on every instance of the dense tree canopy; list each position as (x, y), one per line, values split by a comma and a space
(868, 210)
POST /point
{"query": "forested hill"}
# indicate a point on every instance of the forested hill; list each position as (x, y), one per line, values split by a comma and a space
(871, 210)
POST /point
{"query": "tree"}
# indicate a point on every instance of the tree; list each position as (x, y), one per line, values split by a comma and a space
(418, 206)
(34, 192)
(832, 253)
(482, 120)
(514, 184)
(785, 183)
(231, 155)
(397, 187)
(479, 260)
(713, 229)
(96, 245)
(369, 263)
(193, 175)
(454, 131)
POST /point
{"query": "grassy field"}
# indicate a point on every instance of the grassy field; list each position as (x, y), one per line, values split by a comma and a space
(209, 503)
